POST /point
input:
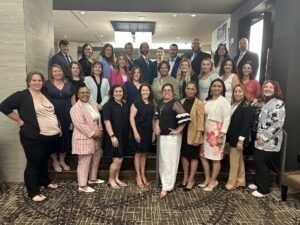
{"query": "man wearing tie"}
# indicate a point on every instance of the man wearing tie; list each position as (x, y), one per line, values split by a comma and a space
(129, 54)
(174, 60)
(148, 70)
(197, 55)
(62, 58)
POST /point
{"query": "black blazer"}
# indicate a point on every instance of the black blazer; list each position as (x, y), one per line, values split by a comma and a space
(23, 102)
(175, 67)
(240, 124)
(197, 61)
(249, 56)
(148, 72)
(61, 60)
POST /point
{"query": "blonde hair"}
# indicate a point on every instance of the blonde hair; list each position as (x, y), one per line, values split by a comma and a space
(188, 74)
(126, 63)
(211, 65)
(50, 77)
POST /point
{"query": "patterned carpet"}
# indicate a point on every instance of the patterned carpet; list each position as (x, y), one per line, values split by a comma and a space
(132, 206)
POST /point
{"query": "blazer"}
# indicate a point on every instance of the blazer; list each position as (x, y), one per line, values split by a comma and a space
(61, 60)
(90, 83)
(240, 124)
(116, 78)
(197, 61)
(23, 102)
(196, 126)
(148, 72)
(248, 56)
(173, 73)
(84, 129)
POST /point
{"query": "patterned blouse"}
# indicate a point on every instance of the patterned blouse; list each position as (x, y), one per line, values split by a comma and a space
(271, 120)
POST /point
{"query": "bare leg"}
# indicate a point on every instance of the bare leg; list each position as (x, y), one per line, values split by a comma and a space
(205, 164)
(185, 166)
(62, 162)
(215, 173)
(56, 165)
(143, 166)
(137, 165)
(193, 170)
(118, 162)
(113, 171)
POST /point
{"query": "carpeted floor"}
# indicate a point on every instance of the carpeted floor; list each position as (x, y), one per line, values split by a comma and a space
(131, 206)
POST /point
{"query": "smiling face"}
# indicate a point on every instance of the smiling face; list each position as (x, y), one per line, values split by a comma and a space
(269, 90)
(238, 94)
(164, 69)
(35, 83)
(75, 71)
(136, 75)
(129, 49)
(83, 94)
(64, 48)
(184, 67)
(88, 51)
(243, 44)
(122, 61)
(167, 93)
(97, 69)
(173, 51)
(247, 69)
(144, 49)
(216, 89)
(228, 66)
(57, 74)
(118, 94)
(108, 52)
(206, 66)
(190, 90)
(221, 50)
(196, 45)
(160, 53)
(145, 92)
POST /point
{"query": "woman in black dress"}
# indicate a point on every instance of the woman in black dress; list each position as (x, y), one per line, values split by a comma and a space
(76, 75)
(170, 121)
(60, 92)
(141, 120)
(192, 135)
(86, 59)
(115, 116)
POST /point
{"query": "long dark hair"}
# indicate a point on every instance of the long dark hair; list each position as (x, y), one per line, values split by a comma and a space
(83, 47)
(251, 75)
(209, 96)
(217, 57)
(81, 75)
(150, 98)
(222, 70)
(111, 59)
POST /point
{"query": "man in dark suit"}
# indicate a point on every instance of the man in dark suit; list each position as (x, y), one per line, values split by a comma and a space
(148, 70)
(244, 56)
(129, 54)
(63, 57)
(174, 60)
(197, 55)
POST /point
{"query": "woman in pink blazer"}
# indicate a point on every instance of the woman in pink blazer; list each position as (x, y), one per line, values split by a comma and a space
(119, 75)
(87, 138)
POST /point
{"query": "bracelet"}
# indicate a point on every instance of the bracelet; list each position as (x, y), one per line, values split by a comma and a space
(111, 136)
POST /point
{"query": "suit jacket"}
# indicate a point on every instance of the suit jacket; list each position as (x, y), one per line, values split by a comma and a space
(148, 72)
(61, 60)
(197, 61)
(240, 124)
(23, 102)
(84, 129)
(248, 56)
(196, 126)
(175, 67)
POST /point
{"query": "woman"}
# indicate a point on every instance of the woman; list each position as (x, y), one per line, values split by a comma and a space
(119, 75)
(205, 78)
(115, 116)
(170, 120)
(192, 135)
(221, 53)
(132, 86)
(76, 75)
(86, 142)
(141, 120)
(60, 92)
(98, 85)
(107, 59)
(237, 136)
(86, 60)
(163, 79)
(217, 119)
(250, 83)
(39, 132)
(269, 135)
(184, 76)
(228, 75)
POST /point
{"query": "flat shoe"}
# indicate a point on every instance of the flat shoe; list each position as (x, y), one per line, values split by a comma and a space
(38, 198)
(86, 190)
(57, 168)
(52, 186)
(203, 185)
(65, 167)
(258, 194)
(122, 184)
(97, 181)
(252, 186)
(163, 194)
(116, 187)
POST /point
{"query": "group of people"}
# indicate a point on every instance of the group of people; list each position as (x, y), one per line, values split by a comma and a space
(189, 106)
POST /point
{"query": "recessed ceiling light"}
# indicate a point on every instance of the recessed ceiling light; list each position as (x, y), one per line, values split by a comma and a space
(178, 38)
(101, 35)
(193, 15)
(174, 15)
(65, 36)
(82, 12)
(141, 17)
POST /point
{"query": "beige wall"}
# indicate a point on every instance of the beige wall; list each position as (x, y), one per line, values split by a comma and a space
(26, 41)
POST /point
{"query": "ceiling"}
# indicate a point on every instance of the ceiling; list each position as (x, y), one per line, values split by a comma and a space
(90, 20)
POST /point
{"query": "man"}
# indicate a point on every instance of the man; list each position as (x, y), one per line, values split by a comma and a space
(197, 55)
(160, 55)
(62, 58)
(244, 56)
(174, 60)
(129, 53)
(148, 70)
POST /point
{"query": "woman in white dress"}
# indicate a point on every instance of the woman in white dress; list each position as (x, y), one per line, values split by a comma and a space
(229, 76)
(205, 77)
(217, 118)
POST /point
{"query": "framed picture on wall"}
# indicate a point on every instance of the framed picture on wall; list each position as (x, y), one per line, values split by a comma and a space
(221, 33)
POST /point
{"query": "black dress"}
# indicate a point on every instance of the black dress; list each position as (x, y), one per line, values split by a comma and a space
(61, 99)
(143, 121)
(76, 84)
(86, 66)
(188, 151)
(118, 115)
